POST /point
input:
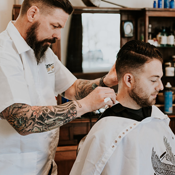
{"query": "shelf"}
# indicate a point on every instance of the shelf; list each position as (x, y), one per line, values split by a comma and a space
(151, 12)
(162, 105)
(160, 9)
(166, 47)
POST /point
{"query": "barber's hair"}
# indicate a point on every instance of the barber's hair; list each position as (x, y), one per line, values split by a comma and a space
(47, 5)
(133, 55)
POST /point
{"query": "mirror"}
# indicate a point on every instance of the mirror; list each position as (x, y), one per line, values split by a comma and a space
(93, 42)
(100, 41)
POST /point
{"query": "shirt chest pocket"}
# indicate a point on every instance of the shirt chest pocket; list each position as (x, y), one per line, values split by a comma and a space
(18, 164)
(51, 75)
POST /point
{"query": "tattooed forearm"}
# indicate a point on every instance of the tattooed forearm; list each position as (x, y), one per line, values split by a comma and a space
(26, 119)
(94, 85)
(1, 116)
(83, 88)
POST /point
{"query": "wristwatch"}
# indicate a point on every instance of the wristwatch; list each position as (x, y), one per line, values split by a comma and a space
(101, 82)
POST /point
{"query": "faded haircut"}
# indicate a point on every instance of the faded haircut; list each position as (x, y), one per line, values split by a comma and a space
(46, 6)
(133, 55)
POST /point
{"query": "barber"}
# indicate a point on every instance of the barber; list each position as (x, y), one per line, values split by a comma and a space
(31, 76)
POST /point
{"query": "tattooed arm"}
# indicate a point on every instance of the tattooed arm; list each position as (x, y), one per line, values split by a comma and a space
(1, 116)
(81, 88)
(27, 119)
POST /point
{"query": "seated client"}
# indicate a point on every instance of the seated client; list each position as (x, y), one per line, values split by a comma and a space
(132, 137)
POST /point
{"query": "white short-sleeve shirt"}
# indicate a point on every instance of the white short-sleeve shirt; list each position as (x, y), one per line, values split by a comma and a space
(22, 80)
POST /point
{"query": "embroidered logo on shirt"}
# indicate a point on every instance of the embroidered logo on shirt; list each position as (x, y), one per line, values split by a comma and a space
(165, 164)
(50, 68)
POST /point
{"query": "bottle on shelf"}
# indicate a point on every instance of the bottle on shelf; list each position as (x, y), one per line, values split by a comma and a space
(151, 38)
(173, 62)
(163, 37)
(171, 4)
(142, 32)
(158, 36)
(170, 38)
(142, 37)
(169, 69)
(166, 4)
(154, 4)
(149, 32)
(168, 99)
(159, 3)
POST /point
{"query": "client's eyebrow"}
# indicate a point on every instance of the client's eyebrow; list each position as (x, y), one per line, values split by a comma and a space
(157, 76)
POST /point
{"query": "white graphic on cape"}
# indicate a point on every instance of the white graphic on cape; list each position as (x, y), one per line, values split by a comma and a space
(165, 164)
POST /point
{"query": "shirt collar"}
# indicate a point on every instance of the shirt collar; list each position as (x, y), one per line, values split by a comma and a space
(18, 40)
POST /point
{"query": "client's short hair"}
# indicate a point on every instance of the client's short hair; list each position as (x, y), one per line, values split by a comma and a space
(47, 5)
(133, 55)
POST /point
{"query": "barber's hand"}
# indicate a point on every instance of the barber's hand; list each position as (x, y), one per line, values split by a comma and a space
(95, 100)
(111, 78)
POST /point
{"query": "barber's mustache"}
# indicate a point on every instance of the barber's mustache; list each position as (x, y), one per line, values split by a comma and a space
(53, 40)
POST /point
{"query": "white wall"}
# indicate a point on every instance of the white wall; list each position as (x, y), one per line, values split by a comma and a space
(6, 14)
(6, 7)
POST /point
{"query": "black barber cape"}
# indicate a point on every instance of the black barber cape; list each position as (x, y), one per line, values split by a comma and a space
(120, 111)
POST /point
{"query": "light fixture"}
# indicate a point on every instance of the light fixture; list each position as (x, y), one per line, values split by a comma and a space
(96, 3)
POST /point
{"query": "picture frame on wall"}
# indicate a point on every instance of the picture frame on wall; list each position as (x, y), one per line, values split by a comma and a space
(127, 29)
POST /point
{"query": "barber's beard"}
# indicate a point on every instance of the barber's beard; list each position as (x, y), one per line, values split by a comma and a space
(143, 100)
(39, 47)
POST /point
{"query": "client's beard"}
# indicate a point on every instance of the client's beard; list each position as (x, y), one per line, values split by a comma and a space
(141, 101)
(39, 47)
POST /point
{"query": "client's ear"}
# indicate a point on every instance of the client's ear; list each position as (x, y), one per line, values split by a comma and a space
(128, 80)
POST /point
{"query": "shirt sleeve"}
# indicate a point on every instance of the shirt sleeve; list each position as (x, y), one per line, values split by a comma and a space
(13, 86)
(63, 77)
